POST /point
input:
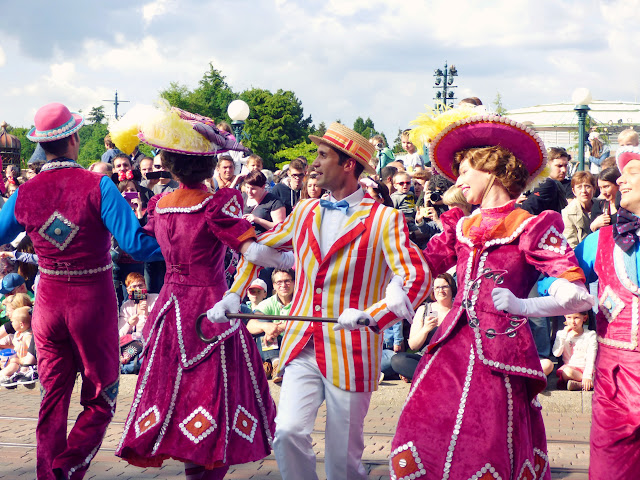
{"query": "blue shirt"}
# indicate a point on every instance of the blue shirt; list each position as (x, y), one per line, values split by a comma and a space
(117, 216)
(586, 254)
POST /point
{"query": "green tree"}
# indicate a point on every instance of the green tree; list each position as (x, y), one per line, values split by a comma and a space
(359, 126)
(96, 115)
(397, 143)
(497, 105)
(91, 143)
(308, 150)
(320, 130)
(211, 98)
(276, 121)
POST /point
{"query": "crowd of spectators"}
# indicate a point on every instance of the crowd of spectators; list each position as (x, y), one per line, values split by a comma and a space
(587, 200)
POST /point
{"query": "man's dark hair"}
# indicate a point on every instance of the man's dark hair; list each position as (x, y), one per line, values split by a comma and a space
(439, 183)
(288, 271)
(299, 164)
(343, 157)
(58, 147)
(387, 172)
(225, 158)
(122, 155)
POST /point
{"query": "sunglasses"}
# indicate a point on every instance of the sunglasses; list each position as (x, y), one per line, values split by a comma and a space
(403, 183)
(297, 175)
(157, 167)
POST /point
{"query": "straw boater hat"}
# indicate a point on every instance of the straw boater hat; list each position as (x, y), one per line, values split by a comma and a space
(625, 154)
(461, 128)
(347, 141)
(172, 129)
(53, 122)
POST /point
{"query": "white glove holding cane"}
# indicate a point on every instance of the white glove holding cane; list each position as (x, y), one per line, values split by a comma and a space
(352, 318)
(230, 303)
(397, 301)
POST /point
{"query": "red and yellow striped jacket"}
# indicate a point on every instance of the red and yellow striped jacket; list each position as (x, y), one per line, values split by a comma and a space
(373, 246)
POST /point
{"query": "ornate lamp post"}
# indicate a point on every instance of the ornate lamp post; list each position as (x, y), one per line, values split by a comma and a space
(238, 112)
(582, 98)
(444, 85)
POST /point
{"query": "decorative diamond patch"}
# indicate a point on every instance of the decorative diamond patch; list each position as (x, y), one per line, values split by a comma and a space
(540, 462)
(553, 240)
(488, 472)
(245, 424)
(147, 420)
(232, 208)
(110, 394)
(527, 472)
(198, 425)
(405, 463)
(58, 230)
(611, 303)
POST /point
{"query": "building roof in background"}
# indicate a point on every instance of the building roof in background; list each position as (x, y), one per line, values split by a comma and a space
(562, 115)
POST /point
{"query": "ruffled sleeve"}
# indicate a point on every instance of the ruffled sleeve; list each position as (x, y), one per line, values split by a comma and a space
(546, 248)
(440, 252)
(224, 218)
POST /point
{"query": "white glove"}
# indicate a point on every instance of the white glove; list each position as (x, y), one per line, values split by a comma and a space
(353, 318)
(397, 301)
(268, 257)
(230, 303)
(573, 296)
(504, 300)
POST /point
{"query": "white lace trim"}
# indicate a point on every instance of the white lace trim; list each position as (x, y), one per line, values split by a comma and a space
(184, 209)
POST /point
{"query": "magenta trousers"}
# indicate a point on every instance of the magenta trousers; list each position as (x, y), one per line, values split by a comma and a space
(75, 330)
(615, 425)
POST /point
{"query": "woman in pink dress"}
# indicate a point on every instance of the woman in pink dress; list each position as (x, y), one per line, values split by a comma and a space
(472, 411)
(206, 404)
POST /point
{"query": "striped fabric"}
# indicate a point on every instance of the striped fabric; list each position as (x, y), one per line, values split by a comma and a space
(373, 246)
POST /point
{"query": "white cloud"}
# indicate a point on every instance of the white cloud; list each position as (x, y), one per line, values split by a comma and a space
(3, 57)
(155, 9)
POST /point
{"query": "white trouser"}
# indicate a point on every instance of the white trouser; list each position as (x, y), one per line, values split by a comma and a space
(303, 391)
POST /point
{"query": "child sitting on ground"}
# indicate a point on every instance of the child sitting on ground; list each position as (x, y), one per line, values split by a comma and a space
(20, 370)
(577, 346)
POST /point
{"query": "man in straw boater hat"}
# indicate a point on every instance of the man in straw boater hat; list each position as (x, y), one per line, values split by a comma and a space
(70, 214)
(347, 250)
(611, 257)
(481, 373)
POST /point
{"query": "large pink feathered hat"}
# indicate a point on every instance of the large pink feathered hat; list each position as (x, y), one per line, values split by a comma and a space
(625, 154)
(462, 127)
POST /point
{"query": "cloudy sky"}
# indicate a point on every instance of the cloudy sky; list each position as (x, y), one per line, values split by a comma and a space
(342, 58)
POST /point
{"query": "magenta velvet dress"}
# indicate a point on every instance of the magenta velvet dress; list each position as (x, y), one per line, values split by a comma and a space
(207, 404)
(472, 411)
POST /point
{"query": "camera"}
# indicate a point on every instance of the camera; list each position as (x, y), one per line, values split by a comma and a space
(380, 146)
(435, 197)
(131, 195)
(138, 294)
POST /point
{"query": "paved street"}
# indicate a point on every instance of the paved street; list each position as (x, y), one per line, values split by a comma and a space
(567, 418)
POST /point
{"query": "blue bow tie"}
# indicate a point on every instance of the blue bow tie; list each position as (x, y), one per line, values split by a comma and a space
(342, 205)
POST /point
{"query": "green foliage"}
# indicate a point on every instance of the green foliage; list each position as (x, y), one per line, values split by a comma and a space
(497, 105)
(276, 121)
(397, 143)
(211, 98)
(91, 143)
(320, 130)
(96, 115)
(303, 149)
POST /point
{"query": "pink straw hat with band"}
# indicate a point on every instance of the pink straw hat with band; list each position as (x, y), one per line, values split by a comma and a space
(347, 141)
(53, 122)
(470, 130)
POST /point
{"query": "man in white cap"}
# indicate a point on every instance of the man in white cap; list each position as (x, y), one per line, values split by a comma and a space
(347, 249)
